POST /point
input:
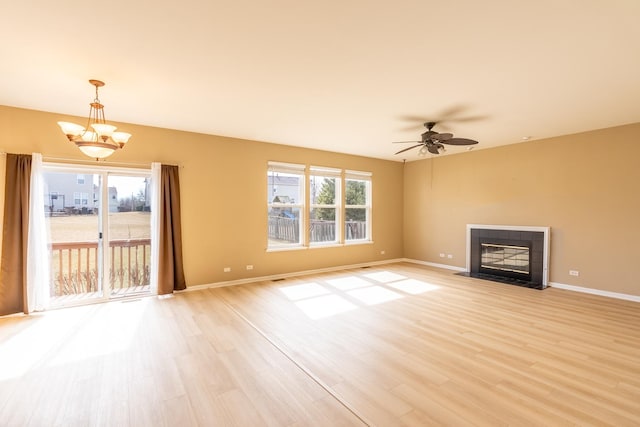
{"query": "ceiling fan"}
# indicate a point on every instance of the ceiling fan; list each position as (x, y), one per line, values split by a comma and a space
(433, 141)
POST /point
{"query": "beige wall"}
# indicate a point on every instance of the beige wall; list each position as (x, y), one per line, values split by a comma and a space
(223, 186)
(586, 187)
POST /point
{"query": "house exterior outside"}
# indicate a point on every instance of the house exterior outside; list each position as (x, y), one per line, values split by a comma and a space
(74, 194)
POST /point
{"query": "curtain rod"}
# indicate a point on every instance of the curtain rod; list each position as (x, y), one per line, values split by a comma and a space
(97, 163)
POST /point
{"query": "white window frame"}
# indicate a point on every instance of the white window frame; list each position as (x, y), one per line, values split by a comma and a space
(300, 204)
(351, 175)
(332, 173)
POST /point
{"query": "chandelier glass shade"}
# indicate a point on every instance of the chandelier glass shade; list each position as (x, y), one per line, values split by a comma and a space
(98, 139)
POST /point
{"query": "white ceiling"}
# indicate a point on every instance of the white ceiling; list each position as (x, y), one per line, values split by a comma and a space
(338, 75)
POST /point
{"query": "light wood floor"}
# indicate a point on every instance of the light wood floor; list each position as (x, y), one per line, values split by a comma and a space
(391, 345)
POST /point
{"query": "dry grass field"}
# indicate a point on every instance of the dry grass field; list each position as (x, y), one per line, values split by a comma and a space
(84, 228)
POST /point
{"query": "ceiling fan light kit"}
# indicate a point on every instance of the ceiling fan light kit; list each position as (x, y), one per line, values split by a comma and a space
(97, 139)
(432, 141)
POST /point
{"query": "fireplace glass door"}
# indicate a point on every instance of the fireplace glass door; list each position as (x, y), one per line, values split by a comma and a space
(506, 258)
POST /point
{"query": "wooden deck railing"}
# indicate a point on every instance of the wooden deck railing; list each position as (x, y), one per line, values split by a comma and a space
(75, 265)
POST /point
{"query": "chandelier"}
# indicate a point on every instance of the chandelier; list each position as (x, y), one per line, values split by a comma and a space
(98, 139)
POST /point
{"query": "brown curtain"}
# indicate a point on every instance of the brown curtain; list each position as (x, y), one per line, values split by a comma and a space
(13, 274)
(170, 266)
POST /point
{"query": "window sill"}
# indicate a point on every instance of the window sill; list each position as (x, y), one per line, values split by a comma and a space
(287, 248)
(325, 245)
(358, 242)
(321, 246)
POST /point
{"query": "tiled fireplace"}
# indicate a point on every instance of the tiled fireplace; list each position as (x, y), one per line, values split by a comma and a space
(517, 255)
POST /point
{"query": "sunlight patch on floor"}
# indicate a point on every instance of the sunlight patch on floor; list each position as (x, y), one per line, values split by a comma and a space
(110, 330)
(384, 276)
(33, 344)
(349, 282)
(347, 293)
(374, 295)
(325, 306)
(306, 290)
(413, 286)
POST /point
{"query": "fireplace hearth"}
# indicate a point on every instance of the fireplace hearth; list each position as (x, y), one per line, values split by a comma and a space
(516, 255)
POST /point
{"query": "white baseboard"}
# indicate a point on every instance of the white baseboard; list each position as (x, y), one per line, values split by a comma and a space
(599, 292)
(286, 275)
(434, 264)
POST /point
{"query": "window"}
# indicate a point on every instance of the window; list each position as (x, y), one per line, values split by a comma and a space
(80, 178)
(324, 189)
(357, 221)
(80, 198)
(338, 208)
(285, 205)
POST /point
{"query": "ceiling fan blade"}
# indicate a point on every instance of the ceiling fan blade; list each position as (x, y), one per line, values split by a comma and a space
(407, 149)
(405, 142)
(442, 136)
(459, 141)
(470, 119)
(421, 126)
(453, 111)
(418, 122)
(409, 118)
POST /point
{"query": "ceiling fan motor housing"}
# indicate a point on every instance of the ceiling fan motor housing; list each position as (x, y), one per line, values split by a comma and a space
(426, 136)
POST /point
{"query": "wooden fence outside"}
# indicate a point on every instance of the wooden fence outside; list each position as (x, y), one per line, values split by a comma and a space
(284, 229)
(287, 230)
(355, 230)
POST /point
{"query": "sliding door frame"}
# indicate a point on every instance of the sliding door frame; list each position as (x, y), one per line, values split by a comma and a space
(103, 222)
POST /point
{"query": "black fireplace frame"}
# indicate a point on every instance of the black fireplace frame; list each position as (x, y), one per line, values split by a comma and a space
(535, 238)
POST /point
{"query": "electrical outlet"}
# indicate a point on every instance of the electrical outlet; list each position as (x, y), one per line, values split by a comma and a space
(441, 255)
(382, 252)
(227, 269)
(249, 267)
(574, 273)
(450, 256)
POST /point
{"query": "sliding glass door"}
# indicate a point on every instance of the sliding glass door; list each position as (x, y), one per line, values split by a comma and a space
(99, 233)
